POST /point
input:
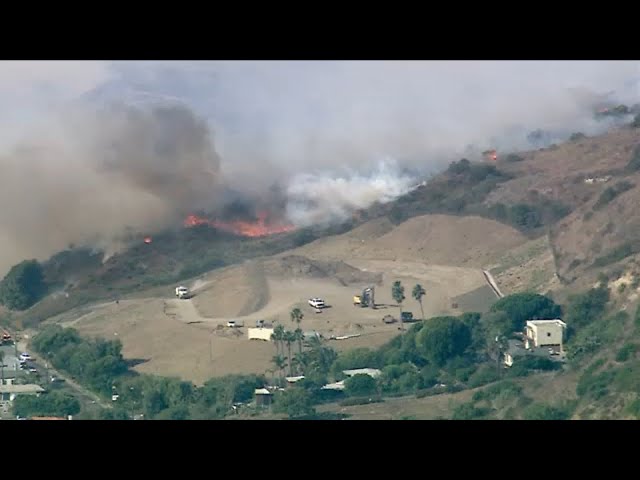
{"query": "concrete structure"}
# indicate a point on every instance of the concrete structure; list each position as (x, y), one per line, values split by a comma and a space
(9, 392)
(544, 333)
(292, 380)
(260, 334)
(263, 397)
(372, 372)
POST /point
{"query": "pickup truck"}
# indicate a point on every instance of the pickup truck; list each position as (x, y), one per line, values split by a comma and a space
(182, 292)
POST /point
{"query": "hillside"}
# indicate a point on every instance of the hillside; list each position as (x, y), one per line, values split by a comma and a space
(532, 219)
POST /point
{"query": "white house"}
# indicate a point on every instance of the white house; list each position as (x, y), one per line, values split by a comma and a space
(544, 333)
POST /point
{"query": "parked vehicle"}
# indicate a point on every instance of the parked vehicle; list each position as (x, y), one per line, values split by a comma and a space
(316, 302)
(407, 317)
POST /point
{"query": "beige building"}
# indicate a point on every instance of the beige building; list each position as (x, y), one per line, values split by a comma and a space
(544, 333)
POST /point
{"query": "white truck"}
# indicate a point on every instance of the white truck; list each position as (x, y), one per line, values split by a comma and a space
(182, 292)
(317, 303)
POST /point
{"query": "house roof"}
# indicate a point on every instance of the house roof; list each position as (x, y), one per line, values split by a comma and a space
(48, 418)
(334, 386)
(535, 323)
(21, 388)
(373, 372)
(262, 391)
(294, 379)
(516, 349)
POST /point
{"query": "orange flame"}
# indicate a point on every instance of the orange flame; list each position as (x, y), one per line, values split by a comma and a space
(259, 228)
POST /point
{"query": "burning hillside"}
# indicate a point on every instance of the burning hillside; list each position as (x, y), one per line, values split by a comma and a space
(262, 226)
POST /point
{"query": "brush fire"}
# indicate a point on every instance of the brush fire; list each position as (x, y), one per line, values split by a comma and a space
(262, 226)
(490, 155)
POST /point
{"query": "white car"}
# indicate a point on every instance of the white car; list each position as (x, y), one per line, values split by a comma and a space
(316, 302)
(234, 324)
(25, 356)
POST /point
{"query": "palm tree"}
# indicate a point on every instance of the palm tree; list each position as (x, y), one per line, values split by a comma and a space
(418, 293)
(297, 316)
(278, 337)
(397, 292)
(279, 362)
(289, 338)
(299, 336)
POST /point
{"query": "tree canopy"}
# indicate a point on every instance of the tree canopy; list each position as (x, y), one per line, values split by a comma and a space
(53, 404)
(521, 307)
(360, 384)
(23, 286)
(443, 338)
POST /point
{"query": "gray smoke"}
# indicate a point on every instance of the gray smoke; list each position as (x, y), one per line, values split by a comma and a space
(319, 129)
(100, 176)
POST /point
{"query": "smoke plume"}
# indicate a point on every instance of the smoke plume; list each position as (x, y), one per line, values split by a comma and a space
(130, 146)
(101, 176)
(324, 197)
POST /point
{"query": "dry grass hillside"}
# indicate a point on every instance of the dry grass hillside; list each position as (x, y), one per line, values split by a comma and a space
(431, 239)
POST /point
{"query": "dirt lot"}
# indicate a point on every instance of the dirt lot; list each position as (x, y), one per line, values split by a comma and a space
(190, 339)
(176, 338)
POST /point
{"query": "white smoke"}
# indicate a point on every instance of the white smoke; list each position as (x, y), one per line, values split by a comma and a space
(325, 197)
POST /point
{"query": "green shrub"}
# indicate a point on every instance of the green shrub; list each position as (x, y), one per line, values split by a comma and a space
(611, 193)
(468, 411)
(626, 352)
(627, 377)
(485, 374)
(538, 411)
(634, 408)
(493, 391)
(634, 162)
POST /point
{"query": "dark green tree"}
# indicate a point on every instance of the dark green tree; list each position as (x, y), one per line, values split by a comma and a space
(360, 385)
(23, 286)
(295, 402)
(443, 338)
(521, 307)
